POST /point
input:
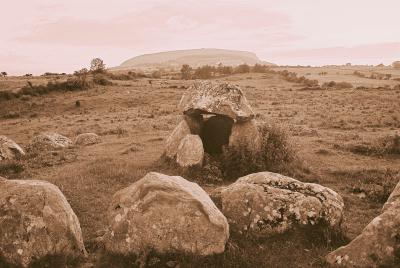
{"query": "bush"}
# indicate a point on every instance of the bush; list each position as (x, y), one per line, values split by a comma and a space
(71, 84)
(242, 68)
(376, 184)
(276, 155)
(337, 85)
(387, 145)
(205, 72)
(156, 75)
(99, 79)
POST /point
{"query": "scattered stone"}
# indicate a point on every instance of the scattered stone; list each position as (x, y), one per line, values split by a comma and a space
(85, 139)
(378, 245)
(175, 139)
(246, 135)
(9, 149)
(266, 203)
(36, 221)
(216, 98)
(50, 140)
(190, 151)
(167, 214)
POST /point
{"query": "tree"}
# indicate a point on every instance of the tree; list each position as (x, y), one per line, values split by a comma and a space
(396, 64)
(81, 76)
(242, 68)
(186, 72)
(97, 66)
(224, 70)
(205, 72)
(3, 74)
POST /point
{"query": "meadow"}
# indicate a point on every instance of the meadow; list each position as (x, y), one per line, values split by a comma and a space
(347, 139)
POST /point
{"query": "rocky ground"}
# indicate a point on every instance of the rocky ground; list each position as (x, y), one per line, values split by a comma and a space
(337, 134)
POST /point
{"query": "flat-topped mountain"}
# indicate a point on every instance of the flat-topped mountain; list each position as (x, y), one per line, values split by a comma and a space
(193, 57)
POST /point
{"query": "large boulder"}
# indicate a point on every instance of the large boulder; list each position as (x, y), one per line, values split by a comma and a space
(173, 141)
(207, 97)
(266, 203)
(190, 151)
(167, 214)
(50, 140)
(245, 135)
(36, 221)
(378, 245)
(86, 139)
(9, 149)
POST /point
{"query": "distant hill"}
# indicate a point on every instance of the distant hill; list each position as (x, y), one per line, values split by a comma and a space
(193, 57)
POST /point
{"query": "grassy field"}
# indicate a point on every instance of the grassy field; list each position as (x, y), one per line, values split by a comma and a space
(339, 135)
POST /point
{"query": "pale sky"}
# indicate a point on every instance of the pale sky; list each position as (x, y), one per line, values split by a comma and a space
(62, 36)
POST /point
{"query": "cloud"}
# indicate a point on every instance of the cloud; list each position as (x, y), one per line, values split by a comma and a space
(166, 24)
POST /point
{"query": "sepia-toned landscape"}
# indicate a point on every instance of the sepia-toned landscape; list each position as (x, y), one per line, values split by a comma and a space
(344, 137)
(191, 134)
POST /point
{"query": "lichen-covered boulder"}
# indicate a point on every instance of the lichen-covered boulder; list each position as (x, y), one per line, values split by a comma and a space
(378, 245)
(266, 203)
(85, 139)
(36, 221)
(190, 151)
(9, 149)
(245, 135)
(173, 141)
(216, 98)
(167, 214)
(50, 140)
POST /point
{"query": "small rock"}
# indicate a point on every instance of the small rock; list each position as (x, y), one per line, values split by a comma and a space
(50, 140)
(85, 139)
(9, 149)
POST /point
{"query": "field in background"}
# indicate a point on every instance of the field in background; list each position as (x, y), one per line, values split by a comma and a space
(334, 132)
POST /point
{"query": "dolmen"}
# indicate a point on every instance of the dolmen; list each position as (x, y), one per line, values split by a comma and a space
(214, 115)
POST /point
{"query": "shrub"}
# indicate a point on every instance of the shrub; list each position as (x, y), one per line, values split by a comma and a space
(337, 85)
(276, 155)
(387, 145)
(376, 184)
(156, 74)
(205, 72)
(100, 79)
(242, 68)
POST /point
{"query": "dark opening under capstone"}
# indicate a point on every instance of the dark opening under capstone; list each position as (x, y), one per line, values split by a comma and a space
(215, 133)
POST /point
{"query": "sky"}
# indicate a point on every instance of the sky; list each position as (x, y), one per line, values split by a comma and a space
(40, 36)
